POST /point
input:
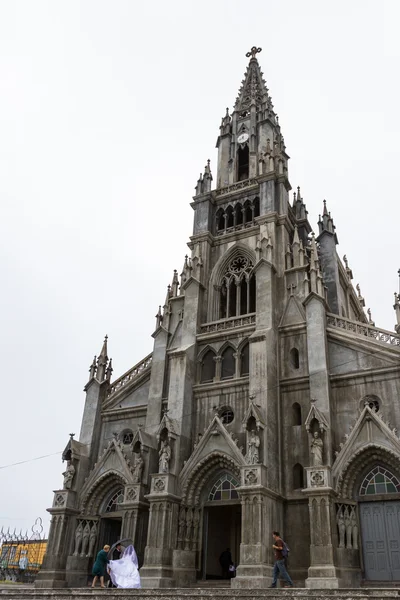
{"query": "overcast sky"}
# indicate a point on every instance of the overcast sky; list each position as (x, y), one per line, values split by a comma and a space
(108, 113)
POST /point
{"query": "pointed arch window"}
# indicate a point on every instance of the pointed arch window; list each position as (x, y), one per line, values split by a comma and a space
(298, 477)
(245, 361)
(115, 501)
(228, 363)
(224, 489)
(207, 367)
(238, 289)
(296, 414)
(380, 481)
(243, 163)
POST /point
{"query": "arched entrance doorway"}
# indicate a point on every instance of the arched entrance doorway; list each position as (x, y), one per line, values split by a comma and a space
(221, 525)
(111, 518)
(379, 510)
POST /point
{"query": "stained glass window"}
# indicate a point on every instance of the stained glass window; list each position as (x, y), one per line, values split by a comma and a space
(115, 500)
(379, 481)
(224, 489)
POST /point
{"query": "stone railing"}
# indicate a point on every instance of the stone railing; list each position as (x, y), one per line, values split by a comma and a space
(241, 185)
(230, 323)
(363, 329)
(137, 370)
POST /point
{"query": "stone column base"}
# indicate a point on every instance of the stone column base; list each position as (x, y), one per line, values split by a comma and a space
(322, 578)
(157, 577)
(183, 564)
(252, 576)
(51, 579)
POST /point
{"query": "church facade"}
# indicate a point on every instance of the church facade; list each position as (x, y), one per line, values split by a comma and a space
(270, 400)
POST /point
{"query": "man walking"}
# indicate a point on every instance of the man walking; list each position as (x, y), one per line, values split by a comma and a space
(279, 566)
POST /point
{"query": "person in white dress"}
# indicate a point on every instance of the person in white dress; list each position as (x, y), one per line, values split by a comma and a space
(124, 572)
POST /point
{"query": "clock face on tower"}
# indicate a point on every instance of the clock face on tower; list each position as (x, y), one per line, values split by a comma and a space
(243, 137)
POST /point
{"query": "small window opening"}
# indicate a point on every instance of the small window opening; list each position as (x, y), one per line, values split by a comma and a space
(248, 216)
(239, 214)
(298, 477)
(243, 163)
(228, 363)
(256, 205)
(296, 414)
(220, 220)
(294, 358)
(245, 361)
(208, 367)
(232, 299)
(229, 217)
(252, 294)
(127, 437)
(371, 401)
(226, 415)
(114, 502)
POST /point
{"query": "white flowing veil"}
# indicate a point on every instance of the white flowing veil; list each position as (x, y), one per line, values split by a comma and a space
(124, 572)
(130, 552)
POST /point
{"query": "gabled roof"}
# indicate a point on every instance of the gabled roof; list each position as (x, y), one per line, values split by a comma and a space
(314, 413)
(370, 430)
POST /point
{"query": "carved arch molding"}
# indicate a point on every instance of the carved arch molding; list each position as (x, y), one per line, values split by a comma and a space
(101, 488)
(364, 458)
(204, 471)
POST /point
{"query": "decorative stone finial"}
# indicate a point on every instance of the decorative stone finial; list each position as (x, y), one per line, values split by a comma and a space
(254, 50)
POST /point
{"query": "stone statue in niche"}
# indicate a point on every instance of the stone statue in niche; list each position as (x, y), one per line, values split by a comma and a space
(164, 457)
(253, 444)
(317, 446)
(138, 469)
(69, 475)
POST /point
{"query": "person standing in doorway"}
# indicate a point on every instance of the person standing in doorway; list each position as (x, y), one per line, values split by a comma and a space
(280, 551)
(225, 560)
(100, 566)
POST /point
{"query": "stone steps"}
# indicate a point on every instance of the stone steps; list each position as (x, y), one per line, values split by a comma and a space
(201, 593)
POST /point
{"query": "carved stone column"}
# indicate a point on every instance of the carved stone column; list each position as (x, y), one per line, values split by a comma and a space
(136, 517)
(52, 573)
(322, 573)
(184, 556)
(258, 504)
(157, 571)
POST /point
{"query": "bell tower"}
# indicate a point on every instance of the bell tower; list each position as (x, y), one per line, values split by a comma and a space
(250, 143)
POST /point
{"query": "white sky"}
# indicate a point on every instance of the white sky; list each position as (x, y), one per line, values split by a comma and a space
(108, 112)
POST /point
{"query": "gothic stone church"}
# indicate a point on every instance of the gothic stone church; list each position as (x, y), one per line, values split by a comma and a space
(270, 400)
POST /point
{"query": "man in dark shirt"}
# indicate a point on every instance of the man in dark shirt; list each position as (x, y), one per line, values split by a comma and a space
(279, 566)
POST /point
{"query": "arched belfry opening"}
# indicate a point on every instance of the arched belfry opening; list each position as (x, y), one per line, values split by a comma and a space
(243, 163)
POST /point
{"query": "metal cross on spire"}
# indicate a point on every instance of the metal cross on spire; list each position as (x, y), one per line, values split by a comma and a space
(253, 52)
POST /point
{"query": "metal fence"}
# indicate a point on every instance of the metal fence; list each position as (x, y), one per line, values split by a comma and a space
(21, 554)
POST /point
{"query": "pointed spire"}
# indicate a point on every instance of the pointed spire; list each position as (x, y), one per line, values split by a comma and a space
(253, 90)
(326, 223)
(109, 370)
(225, 123)
(186, 271)
(175, 284)
(199, 186)
(102, 361)
(92, 369)
(159, 317)
(299, 206)
(296, 247)
(207, 178)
